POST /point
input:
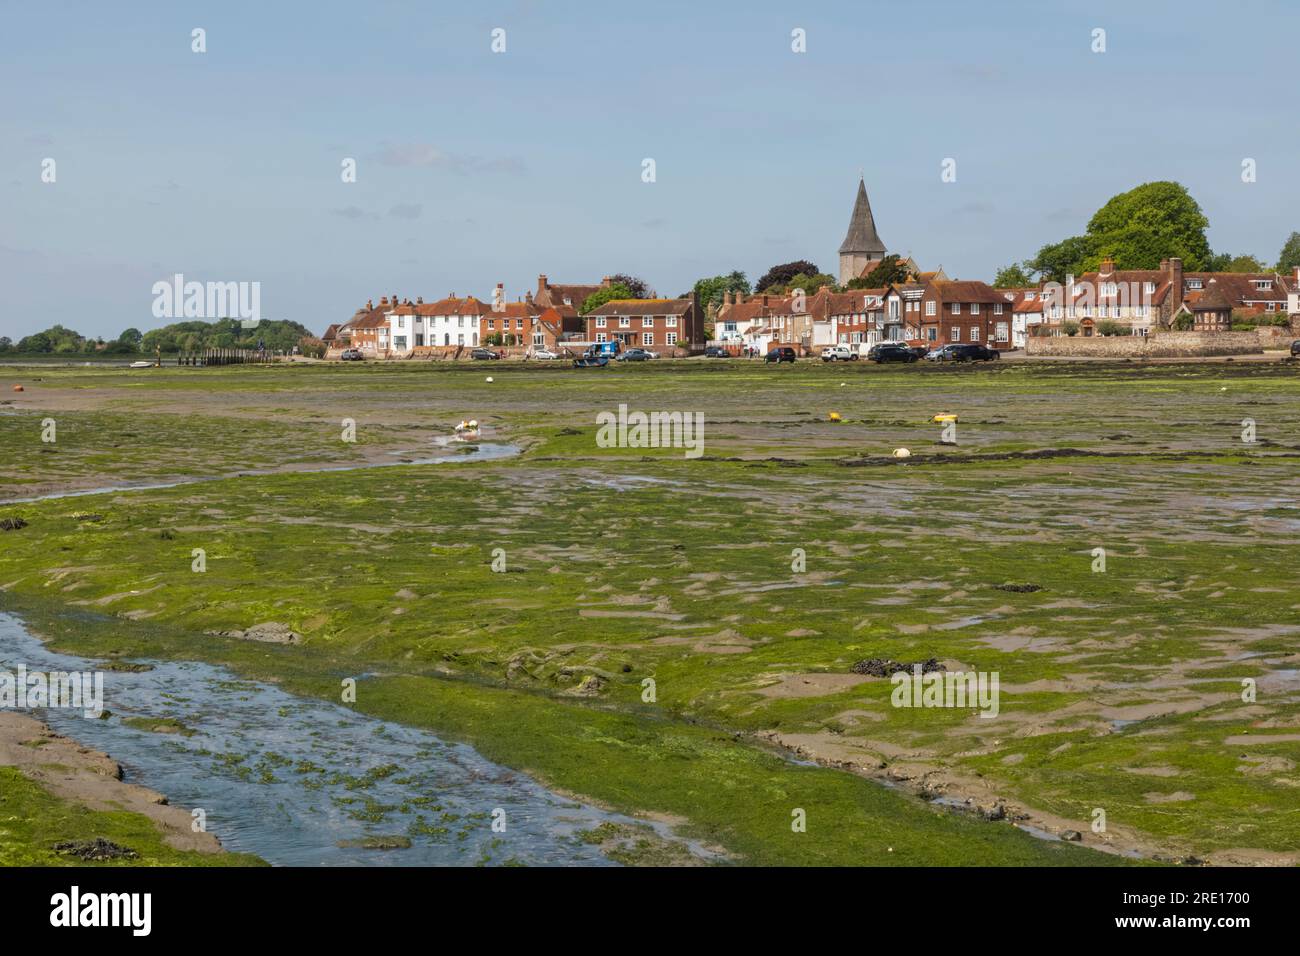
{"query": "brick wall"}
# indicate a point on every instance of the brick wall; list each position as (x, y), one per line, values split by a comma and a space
(1156, 345)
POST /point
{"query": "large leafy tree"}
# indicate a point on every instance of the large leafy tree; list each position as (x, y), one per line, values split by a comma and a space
(1057, 260)
(1012, 276)
(891, 271)
(811, 284)
(598, 298)
(1149, 223)
(1138, 229)
(639, 288)
(779, 276)
(712, 289)
(1289, 257)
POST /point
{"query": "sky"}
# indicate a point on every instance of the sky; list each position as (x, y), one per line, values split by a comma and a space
(475, 167)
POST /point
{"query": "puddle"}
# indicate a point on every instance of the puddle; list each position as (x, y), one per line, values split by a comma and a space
(288, 778)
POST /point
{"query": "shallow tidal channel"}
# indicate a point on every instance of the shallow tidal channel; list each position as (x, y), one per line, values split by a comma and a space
(301, 782)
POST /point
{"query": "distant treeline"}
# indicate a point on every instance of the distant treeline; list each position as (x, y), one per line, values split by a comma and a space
(191, 336)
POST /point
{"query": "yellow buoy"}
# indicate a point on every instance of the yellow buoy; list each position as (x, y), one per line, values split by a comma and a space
(945, 417)
(835, 417)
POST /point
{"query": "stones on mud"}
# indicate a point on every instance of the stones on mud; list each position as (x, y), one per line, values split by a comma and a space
(884, 667)
(1072, 836)
(126, 667)
(1018, 588)
(90, 516)
(12, 524)
(95, 850)
(269, 632)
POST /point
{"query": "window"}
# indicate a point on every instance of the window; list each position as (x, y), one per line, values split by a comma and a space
(624, 321)
(1193, 283)
(997, 308)
(975, 333)
(647, 321)
(1263, 285)
(538, 340)
(600, 336)
(492, 324)
(1108, 288)
(974, 308)
(954, 334)
(1029, 297)
(672, 322)
(600, 324)
(672, 338)
(956, 308)
(647, 338)
(1149, 288)
(399, 342)
(419, 339)
(1003, 332)
(931, 334)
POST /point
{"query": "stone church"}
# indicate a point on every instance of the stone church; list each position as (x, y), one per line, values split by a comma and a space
(862, 245)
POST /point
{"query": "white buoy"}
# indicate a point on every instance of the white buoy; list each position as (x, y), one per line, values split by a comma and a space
(489, 378)
(902, 453)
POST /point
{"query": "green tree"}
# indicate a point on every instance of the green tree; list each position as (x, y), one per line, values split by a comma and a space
(1149, 223)
(131, 337)
(779, 276)
(712, 290)
(1289, 257)
(601, 296)
(639, 288)
(1012, 276)
(891, 271)
(811, 284)
(1057, 260)
(6, 343)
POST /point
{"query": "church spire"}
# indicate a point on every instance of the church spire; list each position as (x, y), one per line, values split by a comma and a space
(862, 238)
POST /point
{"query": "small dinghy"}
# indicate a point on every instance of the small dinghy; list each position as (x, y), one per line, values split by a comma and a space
(467, 431)
(141, 364)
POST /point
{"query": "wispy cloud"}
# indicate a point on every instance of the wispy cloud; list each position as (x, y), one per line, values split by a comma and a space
(406, 210)
(430, 156)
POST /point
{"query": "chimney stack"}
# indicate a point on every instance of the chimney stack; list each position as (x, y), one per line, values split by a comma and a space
(1107, 266)
(1175, 284)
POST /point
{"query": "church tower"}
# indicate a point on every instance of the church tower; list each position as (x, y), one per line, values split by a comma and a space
(861, 245)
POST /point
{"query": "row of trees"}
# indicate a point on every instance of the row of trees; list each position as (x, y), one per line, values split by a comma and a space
(1138, 229)
(191, 336)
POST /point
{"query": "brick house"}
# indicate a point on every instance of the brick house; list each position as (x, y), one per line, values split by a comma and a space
(673, 324)
(958, 311)
(367, 330)
(1146, 299)
(560, 296)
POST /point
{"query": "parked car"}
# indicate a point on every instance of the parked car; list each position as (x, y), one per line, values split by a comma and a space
(782, 353)
(544, 355)
(716, 351)
(636, 355)
(351, 355)
(839, 353)
(963, 352)
(485, 354)
(891, 352)
(1295, 347)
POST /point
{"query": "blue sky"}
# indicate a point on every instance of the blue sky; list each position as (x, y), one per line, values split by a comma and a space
(476, 168)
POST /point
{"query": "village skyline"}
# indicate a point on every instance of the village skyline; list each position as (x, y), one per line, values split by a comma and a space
(200, 173)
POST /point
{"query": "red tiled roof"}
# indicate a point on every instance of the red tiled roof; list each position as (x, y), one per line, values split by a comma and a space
(642, 307)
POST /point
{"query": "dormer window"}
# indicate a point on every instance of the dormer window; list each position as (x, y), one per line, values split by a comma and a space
(1193, 283)
(1263, 285)
(1149, 288)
